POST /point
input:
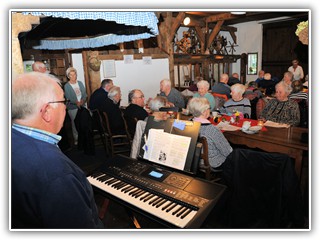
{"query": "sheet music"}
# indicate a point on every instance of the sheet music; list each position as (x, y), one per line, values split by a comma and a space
(167, 149)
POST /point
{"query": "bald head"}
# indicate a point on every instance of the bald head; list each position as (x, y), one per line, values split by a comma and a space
(224, 78)
(39, 67)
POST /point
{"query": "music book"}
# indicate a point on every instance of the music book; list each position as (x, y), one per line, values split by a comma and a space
(166, 148)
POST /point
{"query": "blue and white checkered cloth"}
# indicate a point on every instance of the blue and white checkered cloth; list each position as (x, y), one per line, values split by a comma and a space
(147, 19)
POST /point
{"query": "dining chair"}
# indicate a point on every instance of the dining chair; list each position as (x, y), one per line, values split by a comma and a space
(210, 173)
(115, 143)
(220, 99)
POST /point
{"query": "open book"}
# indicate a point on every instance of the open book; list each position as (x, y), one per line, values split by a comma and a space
(166, 149)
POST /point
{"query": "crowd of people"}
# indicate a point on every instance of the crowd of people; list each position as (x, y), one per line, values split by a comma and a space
(43, 177)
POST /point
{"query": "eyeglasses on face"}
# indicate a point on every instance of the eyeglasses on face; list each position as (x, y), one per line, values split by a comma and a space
(65, 102)
(142, 96)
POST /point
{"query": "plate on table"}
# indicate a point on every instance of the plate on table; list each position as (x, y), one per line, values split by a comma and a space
(252, 130)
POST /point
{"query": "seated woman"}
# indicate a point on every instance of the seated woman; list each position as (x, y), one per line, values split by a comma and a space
(237, 102)
(218, 146)
(203, 88)
(154, 104)
(282, 109)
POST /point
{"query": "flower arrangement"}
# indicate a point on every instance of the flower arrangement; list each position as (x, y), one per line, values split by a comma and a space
(237, 116)
(303, 32)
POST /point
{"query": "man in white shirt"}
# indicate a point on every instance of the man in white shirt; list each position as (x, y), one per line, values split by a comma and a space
(296, 70)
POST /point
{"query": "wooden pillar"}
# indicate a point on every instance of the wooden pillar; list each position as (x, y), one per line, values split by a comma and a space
(20, 23)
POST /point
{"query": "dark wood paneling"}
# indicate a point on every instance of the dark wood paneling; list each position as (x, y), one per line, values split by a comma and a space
(281, 46)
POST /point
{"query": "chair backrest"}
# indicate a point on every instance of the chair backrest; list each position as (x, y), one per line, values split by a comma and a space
(219, 99)
(97, 121)
(205, 157)
(303, 107)
(105, 123)
(264, 190)
(130, 125)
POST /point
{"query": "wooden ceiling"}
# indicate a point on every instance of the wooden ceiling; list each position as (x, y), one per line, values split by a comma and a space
(209, 17)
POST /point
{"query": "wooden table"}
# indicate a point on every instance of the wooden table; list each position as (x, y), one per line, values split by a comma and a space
(281, 140)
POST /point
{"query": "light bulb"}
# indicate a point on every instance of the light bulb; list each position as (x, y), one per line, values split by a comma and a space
(186, 21)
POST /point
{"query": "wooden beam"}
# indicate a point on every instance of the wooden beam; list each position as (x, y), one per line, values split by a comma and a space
(234, 37)
(202, 38)
(214, 33)
(175, 25)
(219, 17)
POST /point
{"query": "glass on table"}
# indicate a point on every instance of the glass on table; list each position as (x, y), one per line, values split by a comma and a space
(260, 122)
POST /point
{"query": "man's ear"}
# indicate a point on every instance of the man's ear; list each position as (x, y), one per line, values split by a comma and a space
(46, 113)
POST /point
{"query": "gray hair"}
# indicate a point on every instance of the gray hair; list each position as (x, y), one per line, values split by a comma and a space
(37, 66)
(224, 77)
(166, 82)
(286, 87)
(71, 69)
(158, 102)
(131, 94)
(113, 92)
(238, 88)
(203, 83)
(30, 91)
(106, 82)
(197, 106)
(289, 74)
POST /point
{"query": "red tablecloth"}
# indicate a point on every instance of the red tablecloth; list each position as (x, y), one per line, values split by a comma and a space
(239, 124)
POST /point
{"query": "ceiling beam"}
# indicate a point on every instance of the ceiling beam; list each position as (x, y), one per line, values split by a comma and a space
(219, 17)
(214, 33)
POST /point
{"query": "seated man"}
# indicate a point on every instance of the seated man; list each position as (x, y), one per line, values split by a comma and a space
(174, 97)
(111, 107)
(100, 95)
(155, 104)
(135, 110)
(222, 86)
(267, 84)
(234, 79)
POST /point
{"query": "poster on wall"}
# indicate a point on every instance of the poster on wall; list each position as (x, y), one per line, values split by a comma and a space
(109, 69)
(128, 59)
(147, 60)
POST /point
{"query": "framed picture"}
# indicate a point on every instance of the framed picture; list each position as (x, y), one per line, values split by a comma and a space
(252, 63)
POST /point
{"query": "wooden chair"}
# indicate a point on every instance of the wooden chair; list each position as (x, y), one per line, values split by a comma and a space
(115, 144)
(210, 173)
(220, 99)
(98, 128)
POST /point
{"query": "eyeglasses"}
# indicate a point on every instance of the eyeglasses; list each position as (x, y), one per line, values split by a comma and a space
(142, 96)
(65, 102)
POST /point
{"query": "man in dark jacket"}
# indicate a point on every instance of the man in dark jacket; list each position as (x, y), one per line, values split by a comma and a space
(100, 95)
(48, 190)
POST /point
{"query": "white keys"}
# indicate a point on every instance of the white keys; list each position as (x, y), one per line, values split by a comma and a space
(162, 208)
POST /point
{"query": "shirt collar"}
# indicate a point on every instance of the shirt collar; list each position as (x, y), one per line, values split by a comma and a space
(38, 134)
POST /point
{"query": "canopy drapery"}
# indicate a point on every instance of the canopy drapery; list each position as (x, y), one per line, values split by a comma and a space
(78, 29)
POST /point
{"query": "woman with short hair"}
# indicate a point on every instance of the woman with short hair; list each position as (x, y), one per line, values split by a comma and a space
(218, 146)
(282, 109)
(237, 102)
(75, 91)
(203, 88)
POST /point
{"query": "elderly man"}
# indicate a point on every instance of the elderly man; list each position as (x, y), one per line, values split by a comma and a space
(48, 190)
(135, 110)
(222, 86)
(174, 97)
(39, 67)
(99, 96)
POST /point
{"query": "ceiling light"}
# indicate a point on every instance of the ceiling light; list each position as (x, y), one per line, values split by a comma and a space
(186, 21)
(238, 13)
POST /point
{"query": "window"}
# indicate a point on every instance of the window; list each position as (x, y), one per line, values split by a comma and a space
(252, 63)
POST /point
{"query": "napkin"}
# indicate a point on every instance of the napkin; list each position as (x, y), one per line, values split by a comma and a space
(276, 125)
(225, 126)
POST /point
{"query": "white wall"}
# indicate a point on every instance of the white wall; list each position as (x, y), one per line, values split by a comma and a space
(145, 77)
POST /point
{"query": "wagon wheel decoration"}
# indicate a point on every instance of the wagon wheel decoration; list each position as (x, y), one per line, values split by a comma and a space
(232, 49)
